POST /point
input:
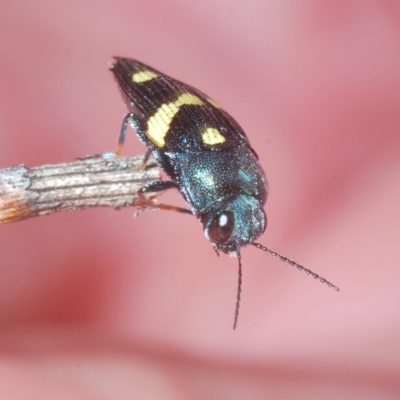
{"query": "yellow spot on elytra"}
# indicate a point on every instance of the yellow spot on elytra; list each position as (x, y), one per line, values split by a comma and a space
(213, 103)
(143, 76)
(159, 124)
(212, 136)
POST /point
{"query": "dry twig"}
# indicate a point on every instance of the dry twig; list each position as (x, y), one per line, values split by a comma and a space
(93, 182)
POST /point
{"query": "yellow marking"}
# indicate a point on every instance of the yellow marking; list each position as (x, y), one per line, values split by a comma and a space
(213, 103)
(158, 125)
(212, 136)
(143, 76)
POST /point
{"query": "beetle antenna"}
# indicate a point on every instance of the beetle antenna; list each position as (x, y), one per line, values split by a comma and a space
(294, 264)
(239, 290)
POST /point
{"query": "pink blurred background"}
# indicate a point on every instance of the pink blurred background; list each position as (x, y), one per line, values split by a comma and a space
(95, 304)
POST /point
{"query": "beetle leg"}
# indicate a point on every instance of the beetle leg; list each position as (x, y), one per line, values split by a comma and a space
(122, 134)
(158, 186)
(145, 159)
(150, 206)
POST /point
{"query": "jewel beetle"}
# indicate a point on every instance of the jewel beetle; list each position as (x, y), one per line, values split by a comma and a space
(206, 155)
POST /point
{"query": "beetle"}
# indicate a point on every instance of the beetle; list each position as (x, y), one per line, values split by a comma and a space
(206, 155)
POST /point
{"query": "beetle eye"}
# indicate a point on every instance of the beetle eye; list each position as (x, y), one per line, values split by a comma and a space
(221, 227)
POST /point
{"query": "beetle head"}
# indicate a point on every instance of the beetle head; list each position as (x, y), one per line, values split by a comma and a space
(235, 223)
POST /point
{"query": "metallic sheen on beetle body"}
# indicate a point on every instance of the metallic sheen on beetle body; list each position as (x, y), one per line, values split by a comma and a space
(202, 149)
(205, 153)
